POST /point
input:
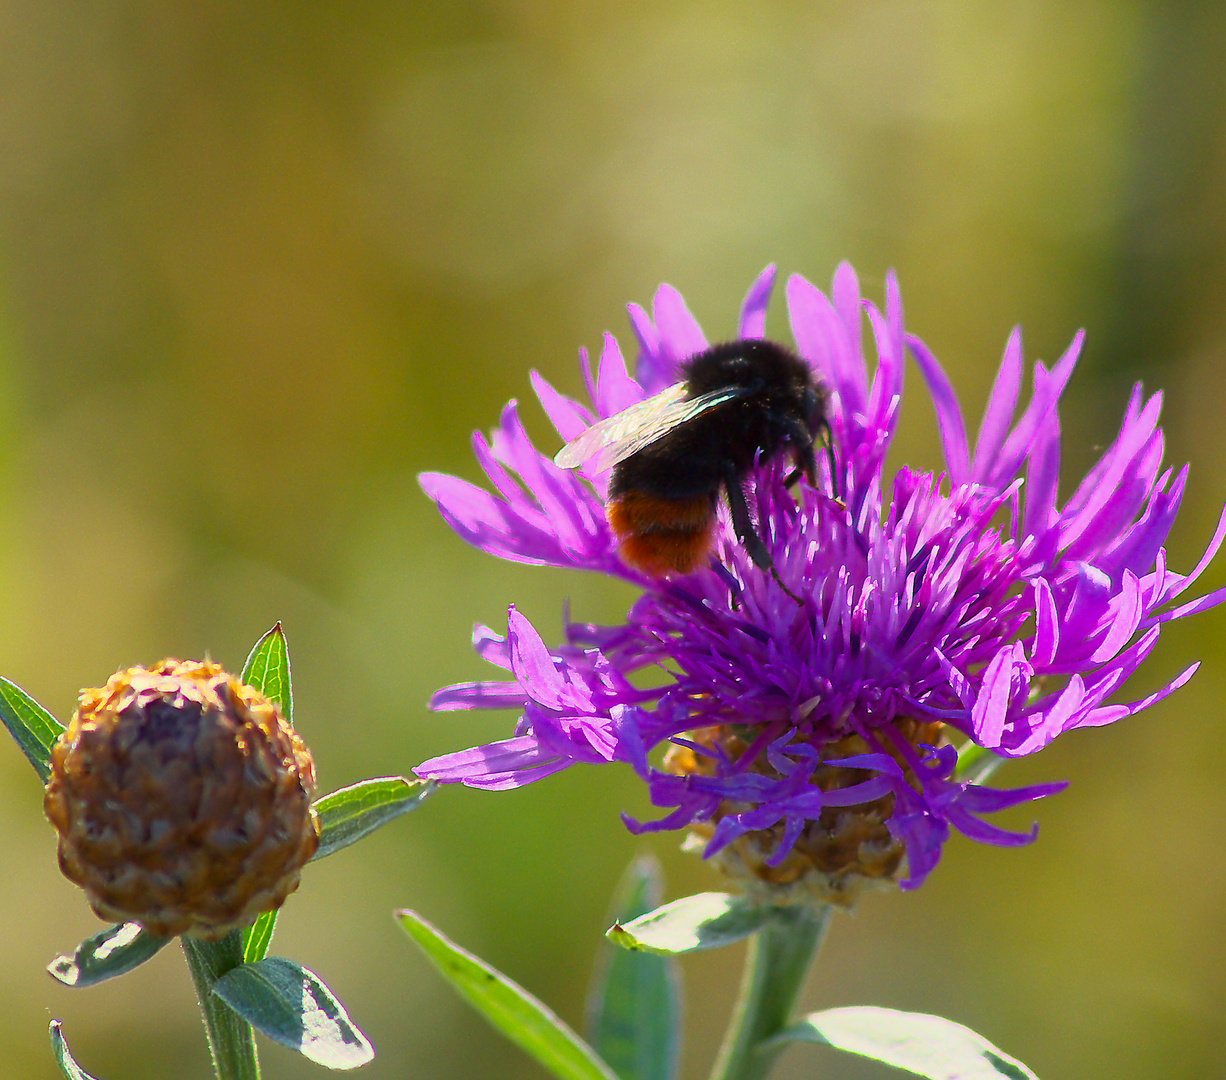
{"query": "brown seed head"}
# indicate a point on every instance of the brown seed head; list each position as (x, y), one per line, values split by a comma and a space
(846, 852)
(182, 800)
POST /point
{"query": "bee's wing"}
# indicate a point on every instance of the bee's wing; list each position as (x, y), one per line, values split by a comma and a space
(615, 438)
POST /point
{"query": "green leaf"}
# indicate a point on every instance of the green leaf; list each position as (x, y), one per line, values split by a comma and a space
(64, 1058)
(110, 952)
(702, 921)
(634, 1008)
(258, 936)
(532, 1026)
(267, 670)
(926, 1045)
(347, 815)
(293, 1007)
(35, 729)
(976, 764)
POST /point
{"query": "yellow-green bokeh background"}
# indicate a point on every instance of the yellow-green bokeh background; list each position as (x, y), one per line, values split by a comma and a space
(260, 264)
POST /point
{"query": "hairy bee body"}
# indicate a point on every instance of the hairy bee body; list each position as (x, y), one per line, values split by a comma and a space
(663, 496)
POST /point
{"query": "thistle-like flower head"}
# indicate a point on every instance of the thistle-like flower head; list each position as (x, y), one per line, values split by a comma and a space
(182, 800)
(815, 747)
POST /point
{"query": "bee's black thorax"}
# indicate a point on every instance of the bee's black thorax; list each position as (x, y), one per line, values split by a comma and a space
(697, 457)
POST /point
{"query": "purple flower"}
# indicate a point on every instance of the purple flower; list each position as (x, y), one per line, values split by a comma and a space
(816, 741)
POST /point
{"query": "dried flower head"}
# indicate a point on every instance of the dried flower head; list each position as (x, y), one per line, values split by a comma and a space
(182, 800)
(814, 747)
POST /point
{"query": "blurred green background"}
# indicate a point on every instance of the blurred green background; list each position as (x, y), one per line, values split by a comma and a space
(260, 264)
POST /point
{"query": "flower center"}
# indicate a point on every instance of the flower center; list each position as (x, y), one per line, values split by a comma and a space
(835, 856)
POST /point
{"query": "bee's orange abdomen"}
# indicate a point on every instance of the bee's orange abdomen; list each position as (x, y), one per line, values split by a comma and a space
(661, 535)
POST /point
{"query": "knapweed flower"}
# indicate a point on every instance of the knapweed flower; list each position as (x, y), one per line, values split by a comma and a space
(813, 747)
(182, 800)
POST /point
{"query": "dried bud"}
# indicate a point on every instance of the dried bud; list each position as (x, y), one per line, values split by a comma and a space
(182, 800)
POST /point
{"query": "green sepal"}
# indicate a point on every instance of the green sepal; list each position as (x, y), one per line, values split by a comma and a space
(523, 1019)
(258, 936)
(34, 729)
(293, 1007)
(267, 670)
(110, 952)
(633, 1016)
(63, 1056)
(347, 815)
(702, 921)
(976, 763)
(928, 1046)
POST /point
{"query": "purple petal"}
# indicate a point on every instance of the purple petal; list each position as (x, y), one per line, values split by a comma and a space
(615, 390)
(1214, 543)
(510, 755)
(533, 666)
(517, 778)
(1047, 390)
(985, 800)
(821, 339)
(568, 417)
(1203, 603)
(984, 833)
(949, 415)
(753, 310)
(491, 647)
(887, 377)
(1047, 626)
(845, 292)
(654, 369)
(680, 334)
(1124, 624)
(1165, 691)
(1042, 478)
(489, 523)
(1128, 447)
(478, 695)
(999, 410)
(992, 702)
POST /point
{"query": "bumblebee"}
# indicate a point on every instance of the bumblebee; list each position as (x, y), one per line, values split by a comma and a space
(739, 404)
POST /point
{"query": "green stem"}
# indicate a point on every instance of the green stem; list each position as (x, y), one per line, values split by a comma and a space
(231, 1039)
(775, 969)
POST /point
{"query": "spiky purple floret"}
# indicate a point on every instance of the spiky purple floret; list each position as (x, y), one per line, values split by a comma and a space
(972, 598)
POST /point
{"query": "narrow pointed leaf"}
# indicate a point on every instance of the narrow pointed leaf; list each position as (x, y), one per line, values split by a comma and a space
(347, 815)
(634, 1007)
(928, 1046)
(528, 1023)
(63, 1056)
(292, 1006)
(110, 952)
(258, 936)
(702, 921)
(35, 729)
(267, 670)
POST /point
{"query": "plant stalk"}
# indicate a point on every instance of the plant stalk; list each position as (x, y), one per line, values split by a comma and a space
(231, 1040)
(775, 968)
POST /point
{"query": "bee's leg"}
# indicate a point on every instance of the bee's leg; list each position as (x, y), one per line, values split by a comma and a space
(802, 442)
(828, 439)
(745, 532)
